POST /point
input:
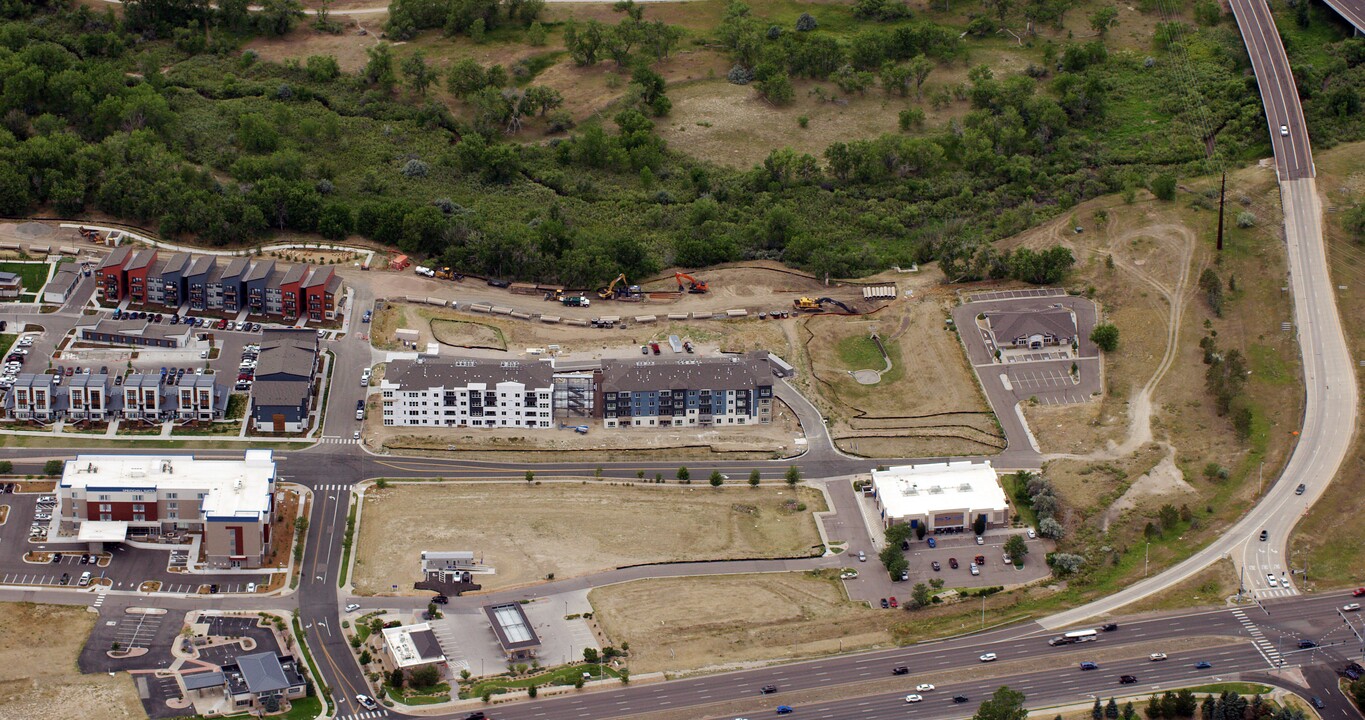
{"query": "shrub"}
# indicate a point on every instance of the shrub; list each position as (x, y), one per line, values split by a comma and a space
(1105, 336)
(414, 168)
(1245, 219)
(740, 75)
(806, 23)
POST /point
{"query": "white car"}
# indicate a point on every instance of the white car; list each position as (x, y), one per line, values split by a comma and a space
(1352, 607)
(913, 698)
(367, 702)
(251, 587)
(923, 687)
(1032, 535)
(352, 607)
(988, 657)
(1156, 656)
(1270, 578)
(1284, 131)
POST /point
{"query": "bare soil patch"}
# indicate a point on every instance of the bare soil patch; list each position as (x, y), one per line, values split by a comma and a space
(928, 403)
(530, 531)
(1210, 586)
(460, 333)
(39, 645)
(730, 619)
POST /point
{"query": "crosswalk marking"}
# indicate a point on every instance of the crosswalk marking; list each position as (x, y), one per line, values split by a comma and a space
(333, 440)
(332, 488)
(1263, 646)
(99, 600)
(364, 715)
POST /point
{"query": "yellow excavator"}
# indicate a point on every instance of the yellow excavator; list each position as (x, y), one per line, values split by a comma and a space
(628, 292)
(807, 304)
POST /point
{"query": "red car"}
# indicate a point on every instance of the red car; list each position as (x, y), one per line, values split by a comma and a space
(1358, 592)
(952, 563)
(893, 602)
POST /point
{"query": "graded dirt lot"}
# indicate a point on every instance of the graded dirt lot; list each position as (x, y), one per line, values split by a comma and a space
(38, 676)
(729, 619)
(928, 403)
(527, 532)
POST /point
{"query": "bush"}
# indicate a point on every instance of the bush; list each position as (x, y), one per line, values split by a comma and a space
(414, 168)
(53, 468)
(806, 23)
(1245, 219)
(1163, 187)
(1065, 563)
(740, 75)
(1105, 336)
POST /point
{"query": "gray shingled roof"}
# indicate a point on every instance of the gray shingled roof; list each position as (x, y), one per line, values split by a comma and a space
(117, 257)
(725, 373)
(260, 270)
(1006, 326)
(317, 276)
(178, 261)
(141, 259)
(201, 264)
(287, 351)
(294, 274)
(274, 393)
(426, 645)
(413, 375)
(236, 267)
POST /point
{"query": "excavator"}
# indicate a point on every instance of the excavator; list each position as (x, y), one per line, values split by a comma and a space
(694, 286)
(818, 305)
(628, 293)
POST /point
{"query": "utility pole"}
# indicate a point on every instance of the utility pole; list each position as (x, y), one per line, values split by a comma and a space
(1222, 198)
(1146, 561)
(1260, 478)
(983, 612)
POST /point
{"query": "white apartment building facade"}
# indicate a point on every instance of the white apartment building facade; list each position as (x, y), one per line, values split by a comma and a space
(468, 393)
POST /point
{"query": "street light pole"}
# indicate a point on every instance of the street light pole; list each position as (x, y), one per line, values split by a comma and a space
(1147, 560)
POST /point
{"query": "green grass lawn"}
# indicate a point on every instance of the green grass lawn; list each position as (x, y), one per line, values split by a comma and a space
(236, 408)
(426, 696)
(563, 675)
(303, 709)
(860, 353)
(1022, 504)
(33, 274)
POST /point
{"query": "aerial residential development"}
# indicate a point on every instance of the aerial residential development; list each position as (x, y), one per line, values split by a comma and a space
(681, 360)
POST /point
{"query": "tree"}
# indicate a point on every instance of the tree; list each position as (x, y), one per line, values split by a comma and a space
(921, 595)
(894, 561)
(1097, 712)
(336, 221)
(776, 88)
(754, 478)
(1004, 704)
(52, 468)
(793, 475)
(1104, 18)
(277, 17)
(7, 467)
(1163, 186)
(425, 676)
(1111, 709)
(590, 655)
(979, 525)
(683, 474)
(920, 67)
(898, 533)
(396, 678)
(419, 74)
(365, 657)
(379, 68)
(465, 78)
(717, 479)
(1016, 548)
(1105, 336)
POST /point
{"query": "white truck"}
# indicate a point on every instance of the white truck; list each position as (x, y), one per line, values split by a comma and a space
(424, 271)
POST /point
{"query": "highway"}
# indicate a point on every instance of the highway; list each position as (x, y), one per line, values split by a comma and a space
(1352, 10)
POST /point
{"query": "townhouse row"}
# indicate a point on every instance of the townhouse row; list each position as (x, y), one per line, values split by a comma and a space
(261, 287)
(96, 397)
(730, 390)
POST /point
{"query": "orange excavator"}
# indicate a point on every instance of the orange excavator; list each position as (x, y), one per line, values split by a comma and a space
(694, 286)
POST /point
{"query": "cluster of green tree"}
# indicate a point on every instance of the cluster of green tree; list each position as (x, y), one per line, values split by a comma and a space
(1168, 521)
(186, 20)
(1225, 380)
(1212, 285)
(1039, 495)
(1111, 711)
(498, 106)
(473, 18)
(1353, 220)
(590, 42)
(1227, 705)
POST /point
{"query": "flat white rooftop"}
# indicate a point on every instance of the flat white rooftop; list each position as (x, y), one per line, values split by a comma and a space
(917, 490)
(235, 488)
(103, 531)
(413, 645)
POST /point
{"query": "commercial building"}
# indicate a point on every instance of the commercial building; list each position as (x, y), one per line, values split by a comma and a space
(227, 502)
(63, 283)
(11, 286)
(263, 679)
(142, 333)
(411, 647)
(468, 393)
(951, 495)
(1032, 330)
(515, 634)
(733, 390)
(281, 397)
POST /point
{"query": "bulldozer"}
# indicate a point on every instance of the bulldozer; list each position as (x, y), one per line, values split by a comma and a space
(446, 273)
(694, 286)
(806, 304)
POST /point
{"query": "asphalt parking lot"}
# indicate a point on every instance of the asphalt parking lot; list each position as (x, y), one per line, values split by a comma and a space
(236, 627)
(1052, 383)
(873, 582)
(155, 692)
(155, 633)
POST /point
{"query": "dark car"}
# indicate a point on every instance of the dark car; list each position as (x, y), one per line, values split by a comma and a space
(933, 543)
(905, 544)
(1127, 679)
(1203, 665)
(1305, 644)
(498, 283)
(1299, 490)
(900, 670)
(1317, 702)
(959, 699)
(1109, 627)
(1087, 665)
(784, 710)
(935, 566)
(885, 604)
(768, 689)
(440, 599)
(952, 563)
(1265, 534)
(56, 558)
(66, 579)
(476, 715)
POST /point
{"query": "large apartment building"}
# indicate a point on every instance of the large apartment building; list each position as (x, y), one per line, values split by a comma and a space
(261, 286)
(729, 390)
(228, 502)
(468, 393)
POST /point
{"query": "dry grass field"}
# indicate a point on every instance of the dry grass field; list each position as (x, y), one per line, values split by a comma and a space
(528, 532)
(729, 619)
(38, 676)
(1210, 586)
(929, 403)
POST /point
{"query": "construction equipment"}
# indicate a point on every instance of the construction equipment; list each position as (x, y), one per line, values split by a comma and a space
(694, 286)
(806, 304)
(446, 273)
(575, 301)
(629, 293)
(90, 234)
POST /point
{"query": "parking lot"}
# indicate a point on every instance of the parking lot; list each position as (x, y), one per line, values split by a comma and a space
(873, 583)
(1051, 383)
(137, 630)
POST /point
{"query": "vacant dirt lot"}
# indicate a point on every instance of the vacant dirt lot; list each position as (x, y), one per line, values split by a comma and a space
(929, 403)
(528, 532)
(729, 619)
(38, 676)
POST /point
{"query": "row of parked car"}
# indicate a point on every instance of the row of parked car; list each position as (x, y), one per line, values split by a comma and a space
(156, 317)
(14, 362)
(246, 371)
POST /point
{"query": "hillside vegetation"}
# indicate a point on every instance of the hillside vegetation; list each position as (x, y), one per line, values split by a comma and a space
(160, 118)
